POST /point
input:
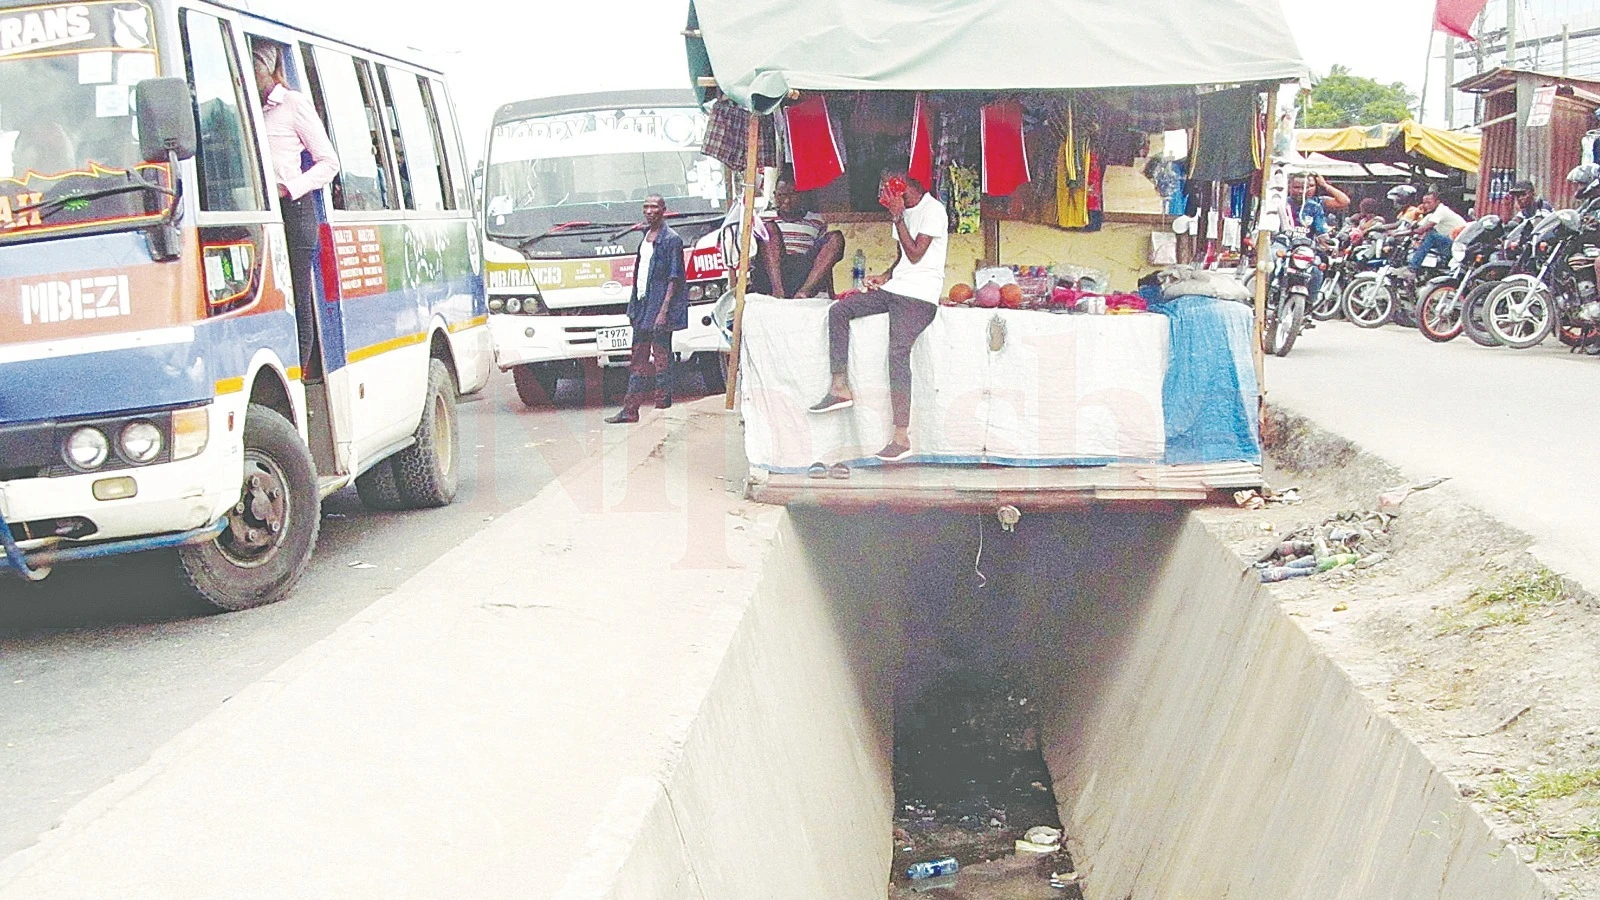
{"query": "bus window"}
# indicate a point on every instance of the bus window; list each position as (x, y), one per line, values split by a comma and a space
(444, 123)
(230, 173)
(342, 97)
(422, 176)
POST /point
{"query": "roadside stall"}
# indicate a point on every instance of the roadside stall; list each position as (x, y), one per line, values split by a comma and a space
(1397, 154)
(1051, 355)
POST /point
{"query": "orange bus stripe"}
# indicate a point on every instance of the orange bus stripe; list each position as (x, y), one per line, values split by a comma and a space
(294, 373)
(470, 323)
(371, 350)
(230, 385)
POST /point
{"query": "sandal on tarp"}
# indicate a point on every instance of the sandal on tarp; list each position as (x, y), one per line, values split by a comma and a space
(839, 470)
(817, 470)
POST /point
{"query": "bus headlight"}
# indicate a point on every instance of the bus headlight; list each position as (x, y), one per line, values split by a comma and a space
(140, 442)
(496, 305)
(514, 305)
(86, 449)
(191, 431)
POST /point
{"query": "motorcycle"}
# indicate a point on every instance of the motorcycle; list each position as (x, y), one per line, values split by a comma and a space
(1516, 255)
(1346, 257)
(1524, 309)
(1392, 292)
(1439, 312)
(1288, 291)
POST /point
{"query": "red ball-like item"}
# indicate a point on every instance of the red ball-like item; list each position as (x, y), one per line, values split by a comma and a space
(1011, 296)
(960, 293)
(989, 296)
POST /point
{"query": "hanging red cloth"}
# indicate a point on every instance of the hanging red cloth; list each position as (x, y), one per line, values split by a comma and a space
(1005, 156)
(1456, 17)
(921, 167)
(817, 161)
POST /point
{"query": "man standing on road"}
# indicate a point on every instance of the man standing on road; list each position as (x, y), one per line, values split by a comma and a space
(1439, 226)
(1528, 201)
(908, 294)
(658, 307)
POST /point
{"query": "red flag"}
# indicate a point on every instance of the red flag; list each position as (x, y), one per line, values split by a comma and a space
(817, 161)
(921, 167)
(1455, 17)
(1005, 157)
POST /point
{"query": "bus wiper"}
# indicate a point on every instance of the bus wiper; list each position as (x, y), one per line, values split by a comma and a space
(568, 228)
(707, 216)
(49, 208)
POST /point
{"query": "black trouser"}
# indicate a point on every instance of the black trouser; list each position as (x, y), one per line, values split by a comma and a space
(300, 231)
(650, 366)
(908, 317)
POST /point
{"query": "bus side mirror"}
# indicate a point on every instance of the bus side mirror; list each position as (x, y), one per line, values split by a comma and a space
(165, 111)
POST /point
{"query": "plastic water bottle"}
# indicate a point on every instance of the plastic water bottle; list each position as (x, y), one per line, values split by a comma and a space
(933, 868)
(858, 270)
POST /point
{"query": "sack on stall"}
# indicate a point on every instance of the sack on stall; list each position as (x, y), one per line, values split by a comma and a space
(1001, 275)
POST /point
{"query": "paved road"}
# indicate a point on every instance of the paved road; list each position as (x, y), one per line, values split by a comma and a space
(101, 664)
(1515, 430)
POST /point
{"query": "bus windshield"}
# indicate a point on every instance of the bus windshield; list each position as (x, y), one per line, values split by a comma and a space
(67, 133)
(595, 168)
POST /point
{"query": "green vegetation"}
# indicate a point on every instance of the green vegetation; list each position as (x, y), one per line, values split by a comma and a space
(1517, 798)
(1509, 603)
(1342, 99)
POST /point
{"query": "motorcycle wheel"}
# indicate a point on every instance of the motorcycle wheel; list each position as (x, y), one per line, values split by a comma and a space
(1291, 317)
(1472, 324)
(1439, 314)
(1368, 303)
(1405, 314)
(1330, 299)
(1519, 315)
(1570, 335)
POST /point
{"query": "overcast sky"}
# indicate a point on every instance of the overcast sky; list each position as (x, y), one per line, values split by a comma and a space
(497, 51)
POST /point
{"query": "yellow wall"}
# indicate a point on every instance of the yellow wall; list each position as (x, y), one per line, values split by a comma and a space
(1122, 250)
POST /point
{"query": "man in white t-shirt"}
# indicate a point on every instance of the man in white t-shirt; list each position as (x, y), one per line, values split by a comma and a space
(909, 294)
(1439, 226)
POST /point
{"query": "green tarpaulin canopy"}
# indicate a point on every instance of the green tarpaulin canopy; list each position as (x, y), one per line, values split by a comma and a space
(759, 50)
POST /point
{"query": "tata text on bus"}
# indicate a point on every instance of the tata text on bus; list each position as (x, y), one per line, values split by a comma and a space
(154, 392)
(564, 181)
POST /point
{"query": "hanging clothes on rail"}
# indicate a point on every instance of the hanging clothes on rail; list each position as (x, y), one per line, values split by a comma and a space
(815, 153)
(1005, 155)
(1226, 147)
(727, 131)
(921, 165)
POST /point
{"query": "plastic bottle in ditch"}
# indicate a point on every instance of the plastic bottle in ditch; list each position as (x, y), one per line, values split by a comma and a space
(1337, 560)
(858, 270)
(1283, 573)
(933, 868)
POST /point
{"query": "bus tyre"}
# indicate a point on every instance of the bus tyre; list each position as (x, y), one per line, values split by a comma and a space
(536, 385)
(713, 369)
(271, 530)
(426, 472)
(377, 488)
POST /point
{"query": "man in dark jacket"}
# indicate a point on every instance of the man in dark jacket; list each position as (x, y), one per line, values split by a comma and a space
(659, 306)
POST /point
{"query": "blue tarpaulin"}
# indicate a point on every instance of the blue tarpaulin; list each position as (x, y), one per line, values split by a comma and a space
(1209, 396)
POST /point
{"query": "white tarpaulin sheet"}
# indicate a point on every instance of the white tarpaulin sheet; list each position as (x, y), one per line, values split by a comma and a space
(1062, 390)
(759, 50)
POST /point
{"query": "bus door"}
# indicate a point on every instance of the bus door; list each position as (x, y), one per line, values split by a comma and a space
(297, 235)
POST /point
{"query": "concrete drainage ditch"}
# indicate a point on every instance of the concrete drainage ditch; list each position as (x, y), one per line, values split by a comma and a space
(1194, 742)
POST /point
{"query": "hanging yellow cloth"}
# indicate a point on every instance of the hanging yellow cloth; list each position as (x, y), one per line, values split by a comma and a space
(1072, 203)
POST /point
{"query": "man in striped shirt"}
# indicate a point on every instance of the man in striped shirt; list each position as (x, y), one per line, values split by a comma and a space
(798, 257)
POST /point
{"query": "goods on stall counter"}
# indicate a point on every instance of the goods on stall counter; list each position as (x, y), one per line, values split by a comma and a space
(960, 295)
(988, 296)
(994, 274)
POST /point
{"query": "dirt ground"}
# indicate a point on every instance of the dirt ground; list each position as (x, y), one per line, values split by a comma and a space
(1489, 662)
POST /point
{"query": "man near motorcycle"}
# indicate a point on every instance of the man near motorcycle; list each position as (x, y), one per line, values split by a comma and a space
(1528, 201)
(1310, 199)
(1438, 229)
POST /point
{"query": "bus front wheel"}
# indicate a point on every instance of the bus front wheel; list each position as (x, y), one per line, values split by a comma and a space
(272, 528)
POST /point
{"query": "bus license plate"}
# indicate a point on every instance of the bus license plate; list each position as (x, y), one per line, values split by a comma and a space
(620, 338)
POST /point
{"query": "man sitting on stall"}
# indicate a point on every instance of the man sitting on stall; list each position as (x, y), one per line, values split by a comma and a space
(798, 256)
(909, 293)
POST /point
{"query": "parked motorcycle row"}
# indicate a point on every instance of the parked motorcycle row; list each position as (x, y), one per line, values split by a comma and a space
(1506, 283)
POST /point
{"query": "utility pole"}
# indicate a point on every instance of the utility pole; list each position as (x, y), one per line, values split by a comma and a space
(1450, 81)
(1511, 34)
(1427, 72)
(1566, 50)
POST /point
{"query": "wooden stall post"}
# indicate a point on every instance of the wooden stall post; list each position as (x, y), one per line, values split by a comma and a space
(742, 283)
(1264, 246)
